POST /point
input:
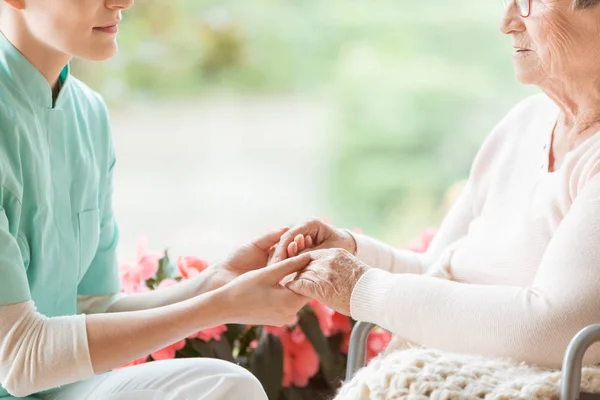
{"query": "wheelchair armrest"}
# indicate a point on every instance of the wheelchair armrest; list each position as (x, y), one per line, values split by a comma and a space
(573, 361)
(357, 350)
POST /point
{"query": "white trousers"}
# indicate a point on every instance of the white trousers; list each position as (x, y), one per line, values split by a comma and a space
(178, 379)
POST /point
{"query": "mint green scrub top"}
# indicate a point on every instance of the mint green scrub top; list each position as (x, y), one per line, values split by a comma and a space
(57, 230)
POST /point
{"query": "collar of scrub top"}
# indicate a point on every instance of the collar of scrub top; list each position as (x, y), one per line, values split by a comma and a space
(27, 78)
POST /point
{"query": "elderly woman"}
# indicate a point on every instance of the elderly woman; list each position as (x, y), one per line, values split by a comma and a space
(521, 245)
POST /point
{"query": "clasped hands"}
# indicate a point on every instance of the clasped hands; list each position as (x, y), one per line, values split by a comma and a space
(332, 271)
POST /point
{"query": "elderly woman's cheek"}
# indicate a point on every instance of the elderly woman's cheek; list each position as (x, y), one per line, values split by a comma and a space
(561, 43)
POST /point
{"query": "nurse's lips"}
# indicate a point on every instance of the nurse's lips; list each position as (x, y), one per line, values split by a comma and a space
(112, 28)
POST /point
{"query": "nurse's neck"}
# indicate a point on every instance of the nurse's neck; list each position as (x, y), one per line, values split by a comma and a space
(48, 61)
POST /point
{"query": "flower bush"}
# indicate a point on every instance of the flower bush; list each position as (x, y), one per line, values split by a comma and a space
(305, 359)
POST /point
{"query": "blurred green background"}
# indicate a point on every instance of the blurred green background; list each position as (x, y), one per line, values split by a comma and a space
(412, 89)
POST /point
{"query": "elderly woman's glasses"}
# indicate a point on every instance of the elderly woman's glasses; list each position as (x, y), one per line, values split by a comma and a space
(524, 6)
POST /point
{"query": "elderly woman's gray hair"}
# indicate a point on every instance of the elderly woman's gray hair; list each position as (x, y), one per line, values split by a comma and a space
(582, 4)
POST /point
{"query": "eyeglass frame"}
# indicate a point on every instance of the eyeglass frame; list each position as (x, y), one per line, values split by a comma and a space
(507, 4)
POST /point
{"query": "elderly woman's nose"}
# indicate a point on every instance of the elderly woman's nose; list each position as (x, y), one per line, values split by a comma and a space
(511, 20)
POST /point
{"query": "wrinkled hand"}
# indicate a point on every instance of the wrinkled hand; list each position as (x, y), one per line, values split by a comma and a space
(257, 297)
(318, 236)
(248, 257)
(330, 278)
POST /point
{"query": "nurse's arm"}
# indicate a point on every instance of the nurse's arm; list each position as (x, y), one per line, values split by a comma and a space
(39, 353)
(122, 302)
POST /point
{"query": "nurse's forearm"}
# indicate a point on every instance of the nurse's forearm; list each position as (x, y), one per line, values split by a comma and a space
(184, 290)
(38, 353)
(117, 338)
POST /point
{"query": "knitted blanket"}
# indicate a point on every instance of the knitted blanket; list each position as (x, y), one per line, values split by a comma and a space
(416, 373)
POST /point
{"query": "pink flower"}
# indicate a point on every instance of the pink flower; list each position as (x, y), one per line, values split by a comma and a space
(134, 275)
(211, 333)
(427, 236)
(300, 361)
(276, 330)
(422, 245)
(129, 283)
(169, 351)
(330, 321)
(190, 266)
(417, 247)
(324, 314)
(140, 360)
(377, 341)
(341, 323)
(166, 283)
(280, 330)
(147, 261)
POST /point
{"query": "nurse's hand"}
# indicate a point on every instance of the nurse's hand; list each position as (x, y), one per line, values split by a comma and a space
(249, 257)
(258, 298)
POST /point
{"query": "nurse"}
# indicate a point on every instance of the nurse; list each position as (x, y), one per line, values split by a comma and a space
(63, 324)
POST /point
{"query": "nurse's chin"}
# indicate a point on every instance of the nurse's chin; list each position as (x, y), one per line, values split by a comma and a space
(99, 52)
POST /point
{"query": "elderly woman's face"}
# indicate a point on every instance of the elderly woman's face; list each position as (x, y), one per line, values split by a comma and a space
(555, 42)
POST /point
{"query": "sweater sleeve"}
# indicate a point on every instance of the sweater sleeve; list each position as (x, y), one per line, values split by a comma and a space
(532, 324)
(39, 353)
(97, 304)
(454, 226)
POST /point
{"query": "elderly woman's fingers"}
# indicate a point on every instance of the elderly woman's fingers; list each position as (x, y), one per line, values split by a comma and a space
(319, 251)
(309, 241)
(297, 246)
(314, 228)
(299, 239)
(292, 250)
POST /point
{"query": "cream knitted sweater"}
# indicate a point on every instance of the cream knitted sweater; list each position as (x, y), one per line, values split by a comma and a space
(521, 247)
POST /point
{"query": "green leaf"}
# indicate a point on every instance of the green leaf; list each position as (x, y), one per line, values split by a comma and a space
(152, 283)
(243, 361)
(166, 269)
(335, 343)
(203, 348)
(315, 393)
(234, 331)
(222, 349)
(267, 365)
(188, 351)
(292, 393)
(246, 338)
(310, 326)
